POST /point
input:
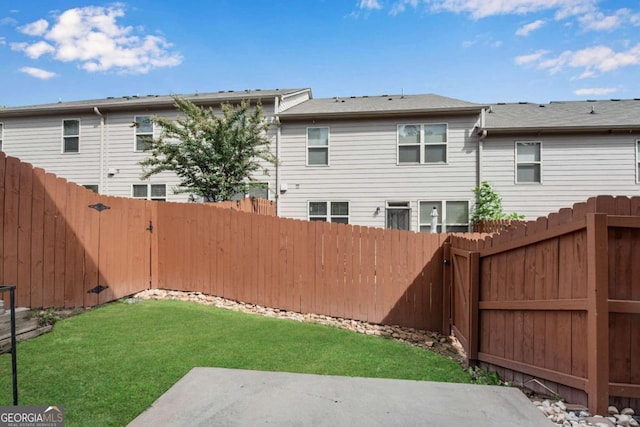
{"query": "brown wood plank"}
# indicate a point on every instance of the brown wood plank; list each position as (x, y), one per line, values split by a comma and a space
(5, 295)
(60, 242)
(446, 286)
(537, 305)
(37, 238)
(597, 320)
(319, 302)
(11, 213)
(72, 262)
(90, 244)
(23, 290)
(551, 285)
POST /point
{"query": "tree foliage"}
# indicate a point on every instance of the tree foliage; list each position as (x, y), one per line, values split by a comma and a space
(489, 205)
(214, 155)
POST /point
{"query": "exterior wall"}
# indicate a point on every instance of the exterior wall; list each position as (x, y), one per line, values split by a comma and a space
(574, 168)
(38, 140)
(363, 169)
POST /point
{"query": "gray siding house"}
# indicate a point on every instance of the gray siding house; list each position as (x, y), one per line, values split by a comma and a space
(543, 157)
(383, 161)
(97, 143)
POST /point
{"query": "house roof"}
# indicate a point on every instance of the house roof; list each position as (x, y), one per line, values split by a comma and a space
(563, 116)
(147, 101)
(378, 105)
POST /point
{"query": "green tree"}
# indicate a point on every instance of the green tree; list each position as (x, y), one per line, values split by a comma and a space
(214, 155)
(489, 205)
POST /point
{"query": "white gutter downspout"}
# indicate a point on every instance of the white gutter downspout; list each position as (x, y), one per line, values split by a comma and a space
(276, 117)
(483, 135)
(101, 188)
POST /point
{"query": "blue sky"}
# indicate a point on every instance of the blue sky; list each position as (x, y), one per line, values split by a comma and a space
(478, 50)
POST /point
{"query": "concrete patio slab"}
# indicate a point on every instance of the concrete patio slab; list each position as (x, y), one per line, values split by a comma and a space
(229, 397)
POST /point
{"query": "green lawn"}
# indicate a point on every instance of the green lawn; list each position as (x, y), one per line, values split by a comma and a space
(109, 364)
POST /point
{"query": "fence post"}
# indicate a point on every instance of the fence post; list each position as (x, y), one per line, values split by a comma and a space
(446, 289)
(474, 296)
(598, 313)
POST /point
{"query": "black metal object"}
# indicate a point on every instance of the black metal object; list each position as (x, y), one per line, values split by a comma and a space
(99, 207)
(97, 289)
(14, 362)
(150, 227)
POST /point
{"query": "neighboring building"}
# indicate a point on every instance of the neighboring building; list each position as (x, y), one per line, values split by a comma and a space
(383, 161)
(99, 143)
(543, 157)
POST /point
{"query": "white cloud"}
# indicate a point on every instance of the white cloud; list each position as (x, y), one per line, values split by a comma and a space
(3, 41)
(533, 57)
(598, 21)
(484, 8)
(92, 37)
(38, 73)
(35, 50)
(370, 4)
(526, 29)
(8, 21)
(593, 61)
(401, 5)
(595, 91)
(36, 28)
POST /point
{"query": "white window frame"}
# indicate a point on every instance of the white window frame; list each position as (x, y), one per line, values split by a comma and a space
(637, 146)
(516, 163)
(423, 144)
(397, 205)
(148, 195)
(1, 136)
(308, 147)
(442, 215)
(328, 217)
(136, 134)
(71, 136)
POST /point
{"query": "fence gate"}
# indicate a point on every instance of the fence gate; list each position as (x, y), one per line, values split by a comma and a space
(461, 300)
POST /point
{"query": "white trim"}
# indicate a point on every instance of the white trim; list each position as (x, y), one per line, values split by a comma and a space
(62, 150)
(135, 131)
(328, 128)
(422, 144)
(515, 162)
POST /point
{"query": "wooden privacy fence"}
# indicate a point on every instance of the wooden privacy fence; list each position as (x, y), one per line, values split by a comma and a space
(251, 205)
(371, 274)
(556, 299)
(65, 246)
(494, 226)
(56, 249)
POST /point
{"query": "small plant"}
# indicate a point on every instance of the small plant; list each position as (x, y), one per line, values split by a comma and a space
(48, 317)
(489, 205)
(484, 376)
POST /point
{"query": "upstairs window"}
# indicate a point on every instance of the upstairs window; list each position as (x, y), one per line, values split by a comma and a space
(318, 146)
(329, 212)
(144, 132)
(70, 136)
(454, 215)
(420, 144)
(150, 191)
(528, 163)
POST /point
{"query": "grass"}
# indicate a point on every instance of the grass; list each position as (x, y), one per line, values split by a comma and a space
(108, 365)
